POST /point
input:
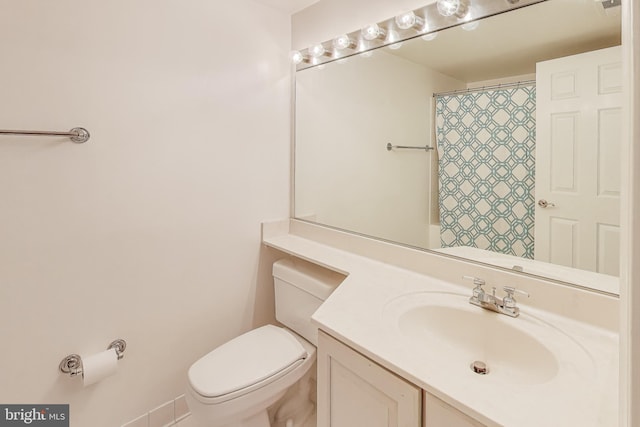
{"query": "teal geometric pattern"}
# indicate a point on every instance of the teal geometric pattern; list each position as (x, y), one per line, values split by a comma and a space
(486, 149)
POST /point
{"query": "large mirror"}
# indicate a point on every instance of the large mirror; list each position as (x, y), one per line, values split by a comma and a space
(497, 141)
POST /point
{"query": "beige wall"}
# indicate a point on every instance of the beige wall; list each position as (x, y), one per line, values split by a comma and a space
(345, 177)
(149, 231)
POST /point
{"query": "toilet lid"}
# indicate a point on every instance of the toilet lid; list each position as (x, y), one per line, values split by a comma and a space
(256, 357)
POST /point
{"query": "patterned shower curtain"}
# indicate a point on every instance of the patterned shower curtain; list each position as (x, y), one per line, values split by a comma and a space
(486, 149)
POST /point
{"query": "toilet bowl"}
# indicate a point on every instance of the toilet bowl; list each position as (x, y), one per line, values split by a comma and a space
(235, 384)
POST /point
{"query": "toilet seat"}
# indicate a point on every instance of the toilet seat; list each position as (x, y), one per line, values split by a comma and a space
(246, 363)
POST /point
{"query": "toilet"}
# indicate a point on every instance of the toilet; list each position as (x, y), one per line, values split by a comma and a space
(235, 384)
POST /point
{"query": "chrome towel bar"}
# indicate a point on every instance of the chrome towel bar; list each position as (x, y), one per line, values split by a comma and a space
(78, 135)
(425, 148)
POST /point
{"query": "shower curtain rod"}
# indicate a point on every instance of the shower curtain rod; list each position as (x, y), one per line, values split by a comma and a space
(483, 88)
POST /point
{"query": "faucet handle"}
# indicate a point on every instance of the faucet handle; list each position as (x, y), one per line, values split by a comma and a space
(510, 290)
(509, 302)
(478, 294)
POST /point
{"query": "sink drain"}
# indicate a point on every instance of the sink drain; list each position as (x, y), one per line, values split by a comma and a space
(479, 368)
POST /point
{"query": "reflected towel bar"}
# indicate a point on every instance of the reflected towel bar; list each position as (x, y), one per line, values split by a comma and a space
(78, 135)
(425, 148)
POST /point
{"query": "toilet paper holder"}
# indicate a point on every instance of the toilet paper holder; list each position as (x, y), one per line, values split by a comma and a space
(72, 364)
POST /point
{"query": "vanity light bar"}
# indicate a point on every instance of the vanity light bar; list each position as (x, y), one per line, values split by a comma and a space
(416, 23)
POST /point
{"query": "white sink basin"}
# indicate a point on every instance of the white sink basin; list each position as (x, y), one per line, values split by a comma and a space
(453, 334)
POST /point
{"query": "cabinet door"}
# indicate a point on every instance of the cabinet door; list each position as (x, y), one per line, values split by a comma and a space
(353, 391)
(439, 414)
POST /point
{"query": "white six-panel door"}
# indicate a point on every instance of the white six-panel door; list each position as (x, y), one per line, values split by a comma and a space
(578, 136)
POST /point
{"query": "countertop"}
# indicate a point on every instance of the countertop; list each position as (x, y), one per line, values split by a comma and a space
(357, 313)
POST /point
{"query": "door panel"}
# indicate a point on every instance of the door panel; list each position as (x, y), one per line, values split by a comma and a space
(578, 119)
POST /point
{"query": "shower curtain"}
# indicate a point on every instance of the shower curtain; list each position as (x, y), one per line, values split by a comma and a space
(486, 149)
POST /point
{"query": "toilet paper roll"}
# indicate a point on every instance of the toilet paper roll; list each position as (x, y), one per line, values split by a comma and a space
(97, 367)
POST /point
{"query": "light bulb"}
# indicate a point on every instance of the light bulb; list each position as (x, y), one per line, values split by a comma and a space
(343, 42)
(458, 8)
(372, 32)
(317, 50)
(408, 20)
(297, 57)
(430, 36)
(447, 7)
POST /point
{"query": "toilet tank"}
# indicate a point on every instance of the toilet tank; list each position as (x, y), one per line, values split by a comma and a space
(300, 288)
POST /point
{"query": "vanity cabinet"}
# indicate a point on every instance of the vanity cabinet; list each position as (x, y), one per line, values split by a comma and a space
(354, 391)
(438, 414)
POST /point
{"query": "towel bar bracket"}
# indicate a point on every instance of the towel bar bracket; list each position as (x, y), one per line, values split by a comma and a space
(79, 135)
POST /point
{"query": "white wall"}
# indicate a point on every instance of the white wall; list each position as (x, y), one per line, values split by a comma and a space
(149, 231)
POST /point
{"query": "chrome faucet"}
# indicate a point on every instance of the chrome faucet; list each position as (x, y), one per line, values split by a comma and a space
(506, 305)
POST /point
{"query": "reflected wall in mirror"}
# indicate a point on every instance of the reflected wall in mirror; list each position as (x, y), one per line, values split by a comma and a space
(523, 113)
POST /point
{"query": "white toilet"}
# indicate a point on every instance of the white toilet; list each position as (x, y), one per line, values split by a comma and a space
(235, 384)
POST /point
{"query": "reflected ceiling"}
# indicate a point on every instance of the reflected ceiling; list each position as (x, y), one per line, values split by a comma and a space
(501, 49)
